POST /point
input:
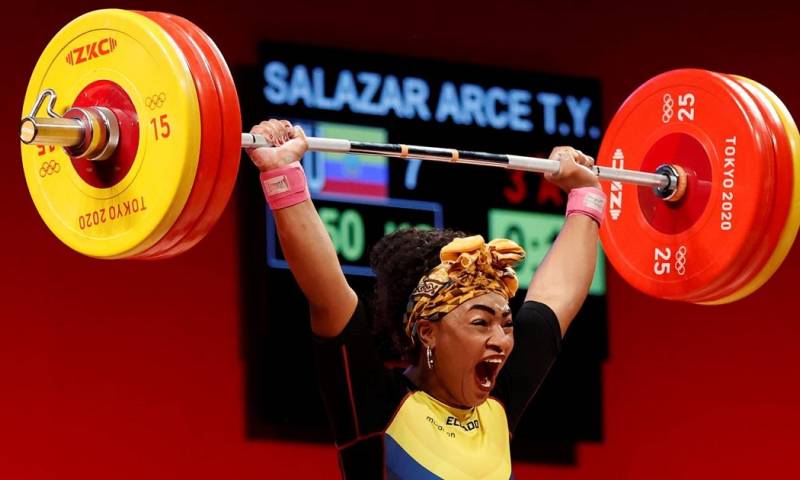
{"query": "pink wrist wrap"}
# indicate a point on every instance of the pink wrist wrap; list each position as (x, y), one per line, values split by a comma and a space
(589, 201)
(285, 186)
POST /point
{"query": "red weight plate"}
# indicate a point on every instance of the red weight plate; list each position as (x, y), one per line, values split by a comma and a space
(750, 251)
(231, 137)
(693, 119)
(210, 144)
(781, 186)
(749, 255)
(783, 226)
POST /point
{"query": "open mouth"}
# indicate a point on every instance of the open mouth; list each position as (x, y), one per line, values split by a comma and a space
(486, 372)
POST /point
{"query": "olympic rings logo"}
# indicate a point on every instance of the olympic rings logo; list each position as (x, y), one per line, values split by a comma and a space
(156, 101)
(49, 168)
(667, 108)
(680, 260)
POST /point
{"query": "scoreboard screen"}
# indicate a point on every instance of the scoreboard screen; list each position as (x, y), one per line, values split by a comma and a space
(360, 198)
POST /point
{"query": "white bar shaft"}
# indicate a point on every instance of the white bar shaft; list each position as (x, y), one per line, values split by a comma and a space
(514, 162)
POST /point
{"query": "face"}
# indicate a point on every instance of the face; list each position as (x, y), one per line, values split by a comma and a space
(470, 346)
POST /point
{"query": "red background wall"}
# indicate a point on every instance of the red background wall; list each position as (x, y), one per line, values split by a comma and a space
(131, 370)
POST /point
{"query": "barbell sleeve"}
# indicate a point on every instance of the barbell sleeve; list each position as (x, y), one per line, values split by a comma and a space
(59, 131)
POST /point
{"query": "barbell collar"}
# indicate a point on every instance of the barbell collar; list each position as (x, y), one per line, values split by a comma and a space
(677, 188)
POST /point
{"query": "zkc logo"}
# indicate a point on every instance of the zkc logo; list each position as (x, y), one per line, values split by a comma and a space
(96, 49)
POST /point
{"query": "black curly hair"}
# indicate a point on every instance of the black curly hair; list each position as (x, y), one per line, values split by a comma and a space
(399, 260)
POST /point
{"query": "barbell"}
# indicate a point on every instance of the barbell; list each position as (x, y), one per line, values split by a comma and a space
(700, 166)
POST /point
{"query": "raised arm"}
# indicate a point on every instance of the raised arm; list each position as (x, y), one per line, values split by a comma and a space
(305, 242)
(562, 280)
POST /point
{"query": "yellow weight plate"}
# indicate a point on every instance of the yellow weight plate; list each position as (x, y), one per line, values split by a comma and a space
(793, 219)
(119, 218)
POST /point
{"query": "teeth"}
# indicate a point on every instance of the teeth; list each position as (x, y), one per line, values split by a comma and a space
(493, 360)
(486, 383)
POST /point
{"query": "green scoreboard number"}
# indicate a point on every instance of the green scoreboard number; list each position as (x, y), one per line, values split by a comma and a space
(536, 232)
(355, 225)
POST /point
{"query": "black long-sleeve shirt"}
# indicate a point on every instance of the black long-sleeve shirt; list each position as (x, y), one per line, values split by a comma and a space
(384, 426)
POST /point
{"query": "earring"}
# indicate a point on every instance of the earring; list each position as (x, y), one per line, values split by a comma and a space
(429, 355)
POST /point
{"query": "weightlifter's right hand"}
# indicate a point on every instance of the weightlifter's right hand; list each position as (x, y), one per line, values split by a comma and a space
(289, 145)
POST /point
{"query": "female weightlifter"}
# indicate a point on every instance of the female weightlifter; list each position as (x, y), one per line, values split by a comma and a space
(473, 366)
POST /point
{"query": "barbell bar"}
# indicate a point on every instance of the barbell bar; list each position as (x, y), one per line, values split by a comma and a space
(71, 133)
(720, 160)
